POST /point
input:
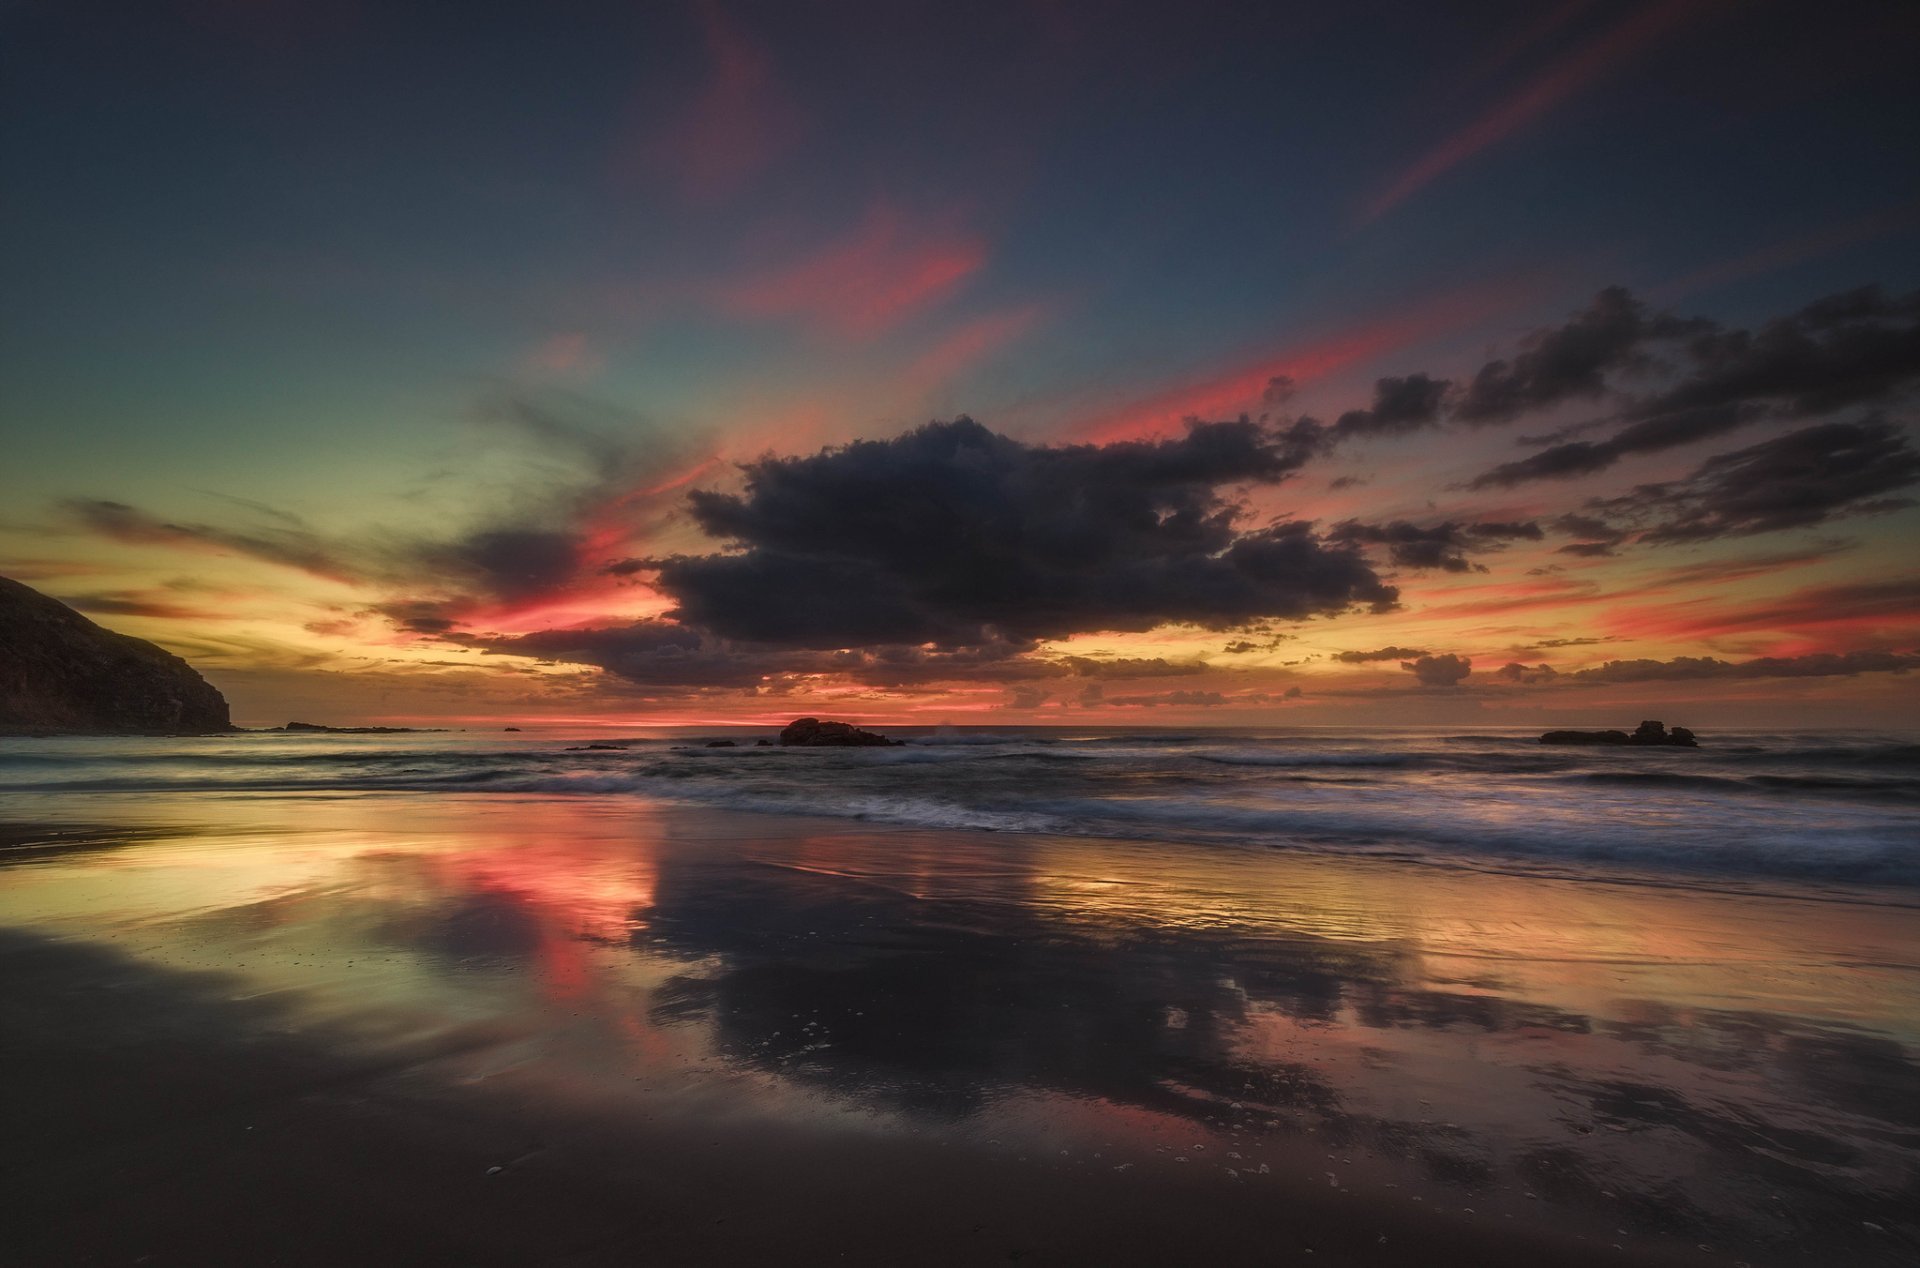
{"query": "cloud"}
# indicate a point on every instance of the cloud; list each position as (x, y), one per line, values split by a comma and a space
(1554, 84)
(665, 656)
(586, 478)
(140, 603)
(1881, 610)
(1400, 405)
(1199, 699)
(1570, 362)
(1130, 667)
(1697, 668)
(953, 535)
(738, 123)
(1856, 348)
(866, 282)
(1443, 546)
(1826, 472)
(1439, 671)
(292, 545)
(1381, 653)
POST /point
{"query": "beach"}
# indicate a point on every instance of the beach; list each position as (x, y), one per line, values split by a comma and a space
(349, 1024)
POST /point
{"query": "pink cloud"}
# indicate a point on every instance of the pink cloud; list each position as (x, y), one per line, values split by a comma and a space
(567, 354)
(1238, 387)
(1570, 75)
(882, 273)
(736, 125)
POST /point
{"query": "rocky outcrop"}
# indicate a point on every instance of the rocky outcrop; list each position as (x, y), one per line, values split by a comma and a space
(813, 733)
(315, 728)
(59, 672)
(1646, 735)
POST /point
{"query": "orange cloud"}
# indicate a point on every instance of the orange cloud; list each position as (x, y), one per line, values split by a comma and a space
(1866, 610)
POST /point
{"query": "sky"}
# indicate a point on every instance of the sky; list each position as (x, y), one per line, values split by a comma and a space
(1113, 364)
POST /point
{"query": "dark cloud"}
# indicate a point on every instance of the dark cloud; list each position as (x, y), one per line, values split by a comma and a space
(661, 655)
(509, 563)
(1400, 405)
(1570, 362)
(1439, 671)
(1202, 699)
(954, 535)
(1443, 546)
(1380, 653)
(138, 603)
(290, 544)
(1587, 550)
(1807, 477)
(576, 466)
(1582, 457)
(1589, 527)
(1858, 348)
(1696, 668)
(1130, 667)
(667, 657)
(1724, 570)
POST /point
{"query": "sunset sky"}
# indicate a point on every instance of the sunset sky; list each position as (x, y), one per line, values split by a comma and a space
(1492, 363)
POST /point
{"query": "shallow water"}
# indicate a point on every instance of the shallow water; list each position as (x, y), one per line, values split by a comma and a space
(1651, 1065)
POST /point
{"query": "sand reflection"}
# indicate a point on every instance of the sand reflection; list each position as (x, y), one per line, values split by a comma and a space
(1468, 1039)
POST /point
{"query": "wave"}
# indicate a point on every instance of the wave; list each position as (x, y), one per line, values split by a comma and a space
(1794, 806)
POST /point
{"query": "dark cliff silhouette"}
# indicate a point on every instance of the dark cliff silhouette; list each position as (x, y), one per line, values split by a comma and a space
(59, 672)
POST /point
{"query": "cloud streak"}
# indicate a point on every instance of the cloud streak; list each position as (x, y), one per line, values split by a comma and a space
(1541, 94)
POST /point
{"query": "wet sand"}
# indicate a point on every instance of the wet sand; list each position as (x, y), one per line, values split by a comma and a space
(379, 1030)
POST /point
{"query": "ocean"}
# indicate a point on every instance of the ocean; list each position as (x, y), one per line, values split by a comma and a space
(1391, 997)
(1747, 807)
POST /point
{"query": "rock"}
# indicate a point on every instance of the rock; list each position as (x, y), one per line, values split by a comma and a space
(315, 728)
(763, 743)
(509, 728)
(813, 733)
(59, 672)
(722, 744)
(1646, 735)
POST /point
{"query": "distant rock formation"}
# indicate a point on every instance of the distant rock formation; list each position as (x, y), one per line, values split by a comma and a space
(1646, 735)
(813, 733)
(723, 744)
(314, 728)
(59, 672)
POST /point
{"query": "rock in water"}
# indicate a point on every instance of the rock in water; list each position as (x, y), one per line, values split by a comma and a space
(61, 672)
(813, 733)
(1647, 734)
(1585, 737)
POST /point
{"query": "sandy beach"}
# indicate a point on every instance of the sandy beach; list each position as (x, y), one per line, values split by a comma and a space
(389, 1030)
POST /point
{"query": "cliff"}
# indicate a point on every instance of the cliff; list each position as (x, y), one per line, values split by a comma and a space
(59, 672)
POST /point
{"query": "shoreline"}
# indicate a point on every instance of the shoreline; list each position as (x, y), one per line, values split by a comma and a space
(229, 1142)
(899, 1035)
